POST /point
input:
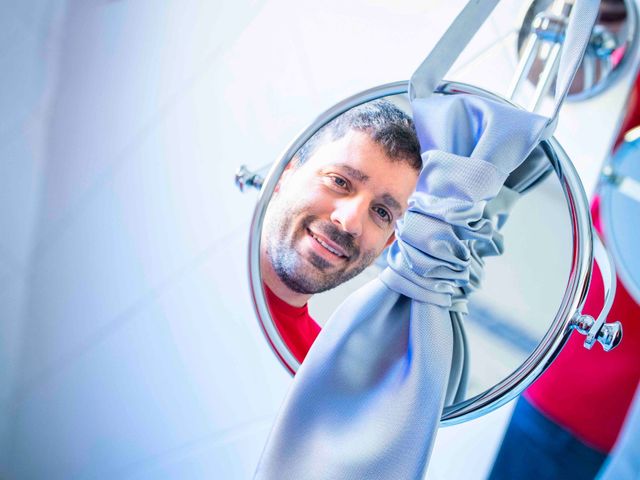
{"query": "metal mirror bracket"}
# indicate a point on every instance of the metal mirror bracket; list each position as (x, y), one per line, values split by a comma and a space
(541, 37)
(608, 334)
(247, 178)
(548, 29)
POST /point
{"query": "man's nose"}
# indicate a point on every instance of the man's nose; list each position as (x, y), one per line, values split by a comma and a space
(350, 215)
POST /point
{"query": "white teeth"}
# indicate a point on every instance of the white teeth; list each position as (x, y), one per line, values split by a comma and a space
(335, 252)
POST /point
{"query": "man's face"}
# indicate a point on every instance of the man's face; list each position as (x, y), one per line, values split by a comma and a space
(332, 216)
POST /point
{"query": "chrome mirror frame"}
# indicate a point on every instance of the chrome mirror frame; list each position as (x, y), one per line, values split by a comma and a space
(566, 318)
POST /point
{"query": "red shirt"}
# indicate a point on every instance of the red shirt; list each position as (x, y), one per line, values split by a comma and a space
(297, 328)
(589, 391)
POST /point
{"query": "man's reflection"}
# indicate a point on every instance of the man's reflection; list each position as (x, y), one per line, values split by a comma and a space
(334, 211)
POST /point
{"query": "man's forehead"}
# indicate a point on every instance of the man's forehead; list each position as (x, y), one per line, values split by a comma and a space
(355, 173)
(354, 149)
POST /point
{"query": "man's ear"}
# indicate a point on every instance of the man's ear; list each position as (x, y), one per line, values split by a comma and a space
(285, 174)
(391, 239)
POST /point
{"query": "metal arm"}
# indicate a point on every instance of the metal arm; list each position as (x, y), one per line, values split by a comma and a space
(608, 334)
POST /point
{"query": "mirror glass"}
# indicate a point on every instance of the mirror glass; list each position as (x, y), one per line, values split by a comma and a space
(620, 204)
(330, 211)
(613, 41)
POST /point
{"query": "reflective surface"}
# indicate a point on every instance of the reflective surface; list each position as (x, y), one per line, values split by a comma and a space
(552, 251)
(521, 293)
(620, 210)
(613, 40)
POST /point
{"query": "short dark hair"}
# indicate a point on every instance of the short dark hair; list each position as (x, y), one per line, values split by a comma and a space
(383, 121)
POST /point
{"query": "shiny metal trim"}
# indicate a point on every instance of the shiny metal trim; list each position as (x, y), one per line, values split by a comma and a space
(247, 178)
(573, 299)
(608, 273)
(599, 34)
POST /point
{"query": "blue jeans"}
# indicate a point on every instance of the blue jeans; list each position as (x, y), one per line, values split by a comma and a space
(537, 448)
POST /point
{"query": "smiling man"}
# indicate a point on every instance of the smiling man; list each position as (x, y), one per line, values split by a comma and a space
(334, 211)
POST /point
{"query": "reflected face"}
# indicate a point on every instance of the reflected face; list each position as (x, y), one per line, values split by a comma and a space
(332, 216)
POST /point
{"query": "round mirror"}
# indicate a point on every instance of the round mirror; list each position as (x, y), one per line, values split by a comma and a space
(620, 207)
(613, 41)
(326, 213)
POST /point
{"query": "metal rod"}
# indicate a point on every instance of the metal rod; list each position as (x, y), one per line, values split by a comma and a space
(608, 273)
(530, 52)
(547, 76)
(589, 67)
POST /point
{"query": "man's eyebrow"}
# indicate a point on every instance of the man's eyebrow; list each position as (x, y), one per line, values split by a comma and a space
(360, 176)
(392, 202)
(356, 174)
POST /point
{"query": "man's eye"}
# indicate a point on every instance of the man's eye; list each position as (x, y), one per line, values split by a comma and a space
(339, 182)
(383, 213)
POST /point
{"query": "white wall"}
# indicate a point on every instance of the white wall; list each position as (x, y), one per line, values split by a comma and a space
(128, 344)
(29, 38)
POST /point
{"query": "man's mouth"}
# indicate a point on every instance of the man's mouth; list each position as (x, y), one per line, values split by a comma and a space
(328, 245)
